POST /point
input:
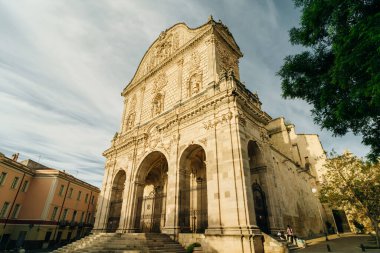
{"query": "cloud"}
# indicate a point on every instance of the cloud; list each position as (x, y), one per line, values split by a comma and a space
(63, 65)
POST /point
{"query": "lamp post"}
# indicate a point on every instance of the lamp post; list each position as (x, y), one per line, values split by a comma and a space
(314, 191)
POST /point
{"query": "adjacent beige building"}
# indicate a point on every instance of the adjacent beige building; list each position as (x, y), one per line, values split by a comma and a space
(198, 159)
(41, 206)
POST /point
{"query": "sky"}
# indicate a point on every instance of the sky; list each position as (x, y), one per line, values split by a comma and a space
(64, 63)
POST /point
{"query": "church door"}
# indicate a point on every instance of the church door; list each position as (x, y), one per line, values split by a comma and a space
(260, 208)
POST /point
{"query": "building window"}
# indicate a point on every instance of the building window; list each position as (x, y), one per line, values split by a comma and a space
(25, 186)
(92, 200)
(4, 209)
(15, 182)
(16, 210)
(88, 217)
(54, 213)
(86, 198)
(79, 193)
(81, 217)
(64, 215)
(61, 190)
(74, 216)
(70, 192)
(2, 177)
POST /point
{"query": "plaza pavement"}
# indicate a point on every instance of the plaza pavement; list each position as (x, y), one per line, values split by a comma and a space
(347, 243)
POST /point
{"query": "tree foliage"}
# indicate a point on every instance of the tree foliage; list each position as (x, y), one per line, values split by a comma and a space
(354, 185)
(339, 73)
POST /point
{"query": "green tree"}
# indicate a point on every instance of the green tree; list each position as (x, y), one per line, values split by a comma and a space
(339, 73)
(354, 185)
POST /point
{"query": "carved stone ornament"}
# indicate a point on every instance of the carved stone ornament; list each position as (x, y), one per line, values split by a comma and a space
(222, 119)
(158, 97)
(227, 61)
(264, 136)
(159, 83)
(131, 117)
(166, 45)
(241, 118)
(194, 84)
(203, 141)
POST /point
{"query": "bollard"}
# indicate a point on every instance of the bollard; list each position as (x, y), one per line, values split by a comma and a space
(362, 246)
(328, 248)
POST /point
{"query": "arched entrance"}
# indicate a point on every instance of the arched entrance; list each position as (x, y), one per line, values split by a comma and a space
(257, 167)
(116, 201)
(193, 190)
(151, 193)
(261, 210)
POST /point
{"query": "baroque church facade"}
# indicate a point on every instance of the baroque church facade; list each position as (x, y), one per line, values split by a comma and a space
(198, 159)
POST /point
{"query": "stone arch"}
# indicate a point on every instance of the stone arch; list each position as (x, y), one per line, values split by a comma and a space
(261, 209)
(193, 210)
(256, 156)
(150, 193)
(116, 200)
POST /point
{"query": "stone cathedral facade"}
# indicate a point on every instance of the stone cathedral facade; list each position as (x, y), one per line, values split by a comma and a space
(198, 159)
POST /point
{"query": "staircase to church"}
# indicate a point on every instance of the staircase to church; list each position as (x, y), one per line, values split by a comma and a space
(273, 243)
(124, 243)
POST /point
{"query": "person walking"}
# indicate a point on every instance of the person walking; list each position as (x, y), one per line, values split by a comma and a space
(289, 233)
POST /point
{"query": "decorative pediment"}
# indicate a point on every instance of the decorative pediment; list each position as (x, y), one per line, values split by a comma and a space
(172, 41)
(165, 46)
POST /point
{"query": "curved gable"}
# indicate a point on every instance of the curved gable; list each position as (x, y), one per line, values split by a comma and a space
(166, 45)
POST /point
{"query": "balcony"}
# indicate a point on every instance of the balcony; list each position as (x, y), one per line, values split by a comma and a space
(63, 223)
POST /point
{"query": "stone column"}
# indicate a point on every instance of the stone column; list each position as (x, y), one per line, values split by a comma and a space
(104, 198)
(171, 221)
(136, 191)
(213, 184)
(123, 119)
(179, 80)
(211, 56)
(123, 211)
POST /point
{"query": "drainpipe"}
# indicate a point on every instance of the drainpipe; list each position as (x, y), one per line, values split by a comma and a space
(88, 207)
(60, 212)
(14, 201)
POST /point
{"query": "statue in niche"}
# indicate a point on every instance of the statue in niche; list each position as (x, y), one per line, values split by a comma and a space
(194, 85)
(131, 120)
(158, 104)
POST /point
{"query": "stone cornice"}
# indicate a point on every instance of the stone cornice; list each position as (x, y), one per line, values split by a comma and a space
(16, 165)
(194, 107)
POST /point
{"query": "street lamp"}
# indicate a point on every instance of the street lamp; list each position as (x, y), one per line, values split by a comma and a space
(314, 191)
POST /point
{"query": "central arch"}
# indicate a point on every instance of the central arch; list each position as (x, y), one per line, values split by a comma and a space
(151, 191)
(193, 215)
(116, 201)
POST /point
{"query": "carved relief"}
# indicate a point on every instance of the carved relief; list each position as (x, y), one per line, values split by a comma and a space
(203, 141)
(264, 136)
(194, 82)
(131, 117)
(241, 118)
(159, 83)
(224, 118)
(166, 45)
(227, 61)
(158, 95)
(157, 104)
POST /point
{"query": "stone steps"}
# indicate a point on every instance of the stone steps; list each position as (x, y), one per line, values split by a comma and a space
(124, 243)
(291, 246)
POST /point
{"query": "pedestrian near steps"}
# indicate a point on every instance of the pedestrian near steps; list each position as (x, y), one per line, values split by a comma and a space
(289, 234)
